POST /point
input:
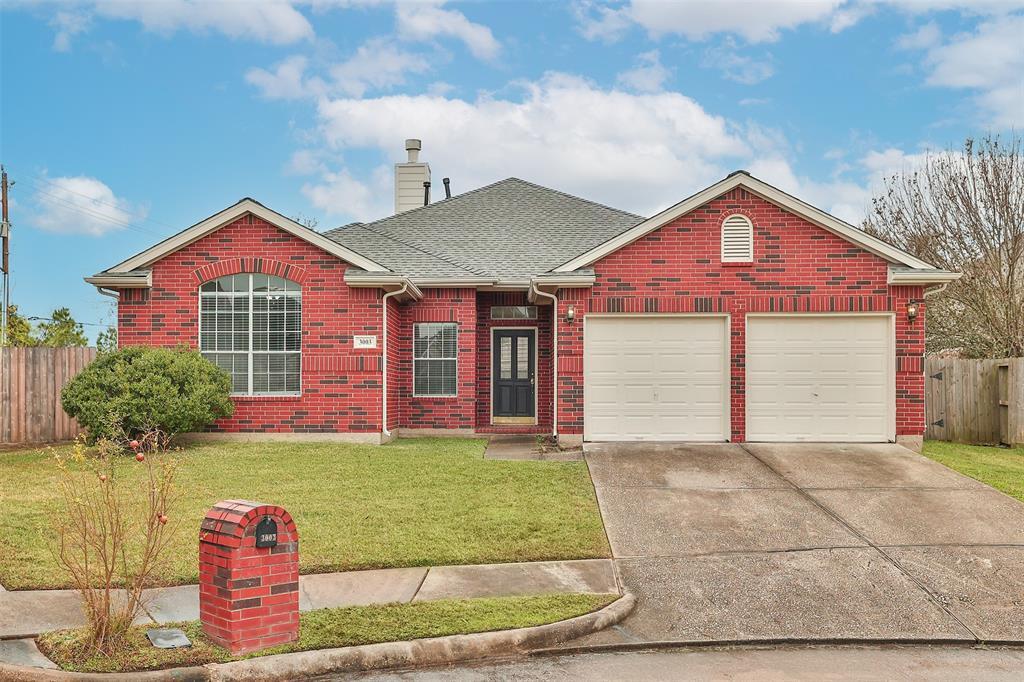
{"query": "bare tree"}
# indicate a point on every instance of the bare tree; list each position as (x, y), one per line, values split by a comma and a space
(312, 222)
(964, 211)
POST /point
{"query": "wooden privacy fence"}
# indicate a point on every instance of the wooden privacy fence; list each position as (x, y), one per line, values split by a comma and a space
(975, 401)
(30, 384)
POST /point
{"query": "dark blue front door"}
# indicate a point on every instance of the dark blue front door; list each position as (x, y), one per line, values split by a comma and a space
(514, 372)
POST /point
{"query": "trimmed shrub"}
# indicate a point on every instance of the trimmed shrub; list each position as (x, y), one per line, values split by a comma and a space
(138, 390)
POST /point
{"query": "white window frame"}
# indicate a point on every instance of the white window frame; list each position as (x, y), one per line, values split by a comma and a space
(750, 239)
(250, 393)
(454, 359)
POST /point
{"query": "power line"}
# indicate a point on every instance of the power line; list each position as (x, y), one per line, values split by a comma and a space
(85, 210)
(36, 318)
(37, 180)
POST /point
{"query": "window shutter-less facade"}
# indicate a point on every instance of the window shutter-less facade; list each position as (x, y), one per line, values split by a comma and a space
(737, 239)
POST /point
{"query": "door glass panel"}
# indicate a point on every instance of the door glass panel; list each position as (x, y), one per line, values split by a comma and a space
(523, 359)
(506, 358)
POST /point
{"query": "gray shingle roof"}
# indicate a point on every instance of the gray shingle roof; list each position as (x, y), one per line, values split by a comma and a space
(511, 230)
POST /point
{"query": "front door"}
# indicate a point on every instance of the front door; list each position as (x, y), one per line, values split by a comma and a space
(514, 375)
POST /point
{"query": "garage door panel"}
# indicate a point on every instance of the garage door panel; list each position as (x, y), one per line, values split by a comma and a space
(819, 378)
(655, 378)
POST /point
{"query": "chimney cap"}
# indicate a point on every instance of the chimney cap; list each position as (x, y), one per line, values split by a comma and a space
(413, 144)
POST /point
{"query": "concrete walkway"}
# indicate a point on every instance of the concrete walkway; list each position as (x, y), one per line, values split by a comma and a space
(27, 613)
(526, 447)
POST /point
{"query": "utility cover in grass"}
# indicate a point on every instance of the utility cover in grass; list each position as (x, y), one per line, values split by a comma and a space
(168, 639)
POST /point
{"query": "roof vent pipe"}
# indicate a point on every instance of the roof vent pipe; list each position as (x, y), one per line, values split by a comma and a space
(426, 192)
(447, 188)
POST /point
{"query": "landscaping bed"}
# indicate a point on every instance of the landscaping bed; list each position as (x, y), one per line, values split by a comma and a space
(330, 628)
(413, 502)
(1001, 468)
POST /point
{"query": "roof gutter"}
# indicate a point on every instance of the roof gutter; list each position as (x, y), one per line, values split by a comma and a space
(141, 280)
(389, 283)
(922, 276)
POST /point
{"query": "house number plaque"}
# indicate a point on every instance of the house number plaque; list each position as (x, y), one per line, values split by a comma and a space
(266, 532)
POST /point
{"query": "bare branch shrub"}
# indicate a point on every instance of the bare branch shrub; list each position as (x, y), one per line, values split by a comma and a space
(964, 211)
(112, 527)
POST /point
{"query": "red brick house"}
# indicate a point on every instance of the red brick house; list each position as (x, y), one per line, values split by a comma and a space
(739, 314)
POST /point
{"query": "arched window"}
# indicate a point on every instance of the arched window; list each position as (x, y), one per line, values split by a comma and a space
(737, 239)
(251, 326)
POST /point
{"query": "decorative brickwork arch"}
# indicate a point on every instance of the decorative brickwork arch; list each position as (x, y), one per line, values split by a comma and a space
(234, 266)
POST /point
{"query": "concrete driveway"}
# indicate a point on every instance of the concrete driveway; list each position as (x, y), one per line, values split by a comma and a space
(739, 542)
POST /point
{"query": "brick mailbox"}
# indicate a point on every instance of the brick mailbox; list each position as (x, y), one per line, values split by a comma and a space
(249, 576)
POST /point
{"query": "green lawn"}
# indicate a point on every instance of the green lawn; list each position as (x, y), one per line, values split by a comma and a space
(412, 502)
(329, 628)
(1001, 468)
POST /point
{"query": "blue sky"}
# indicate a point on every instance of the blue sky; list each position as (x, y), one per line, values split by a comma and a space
(124, 122)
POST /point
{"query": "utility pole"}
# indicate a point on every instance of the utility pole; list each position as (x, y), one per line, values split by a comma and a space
(5, 264)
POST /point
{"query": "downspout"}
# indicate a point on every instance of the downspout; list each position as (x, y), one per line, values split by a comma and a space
(384, 359)
(939, 289)
(554, 361)
(112, 293)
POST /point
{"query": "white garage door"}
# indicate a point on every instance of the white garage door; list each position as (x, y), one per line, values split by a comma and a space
(655, 378)
(820, 378)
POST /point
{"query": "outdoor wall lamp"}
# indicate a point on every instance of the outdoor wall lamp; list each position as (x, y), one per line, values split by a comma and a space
(912, 312)
(570, 314)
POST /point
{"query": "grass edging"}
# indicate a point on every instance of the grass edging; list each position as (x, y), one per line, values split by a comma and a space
(406, 654)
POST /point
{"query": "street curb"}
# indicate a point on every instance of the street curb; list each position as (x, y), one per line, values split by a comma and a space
(776, 642)
(436, 651)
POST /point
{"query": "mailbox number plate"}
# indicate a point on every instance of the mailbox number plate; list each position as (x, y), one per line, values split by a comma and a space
(266, 532)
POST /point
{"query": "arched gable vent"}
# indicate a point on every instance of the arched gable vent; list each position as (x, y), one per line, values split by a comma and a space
(737, 239)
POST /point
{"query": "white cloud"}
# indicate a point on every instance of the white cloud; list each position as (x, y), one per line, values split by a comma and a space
(738, 67)
(286, 81)
(68, 24)
(269, 21)
(306, 162)
(761, 21)
(638, 151)
(426, 21)
(338, 193)
(990, 61)
(928, 35)
(601, 22)
(378, 64)
(848, 192)
(755, 21)
(649, 74)
(81, 205)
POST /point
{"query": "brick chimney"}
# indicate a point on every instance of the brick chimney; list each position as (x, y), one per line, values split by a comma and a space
(409, 179)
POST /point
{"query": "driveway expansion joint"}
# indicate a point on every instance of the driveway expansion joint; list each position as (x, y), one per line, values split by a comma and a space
(933, 598)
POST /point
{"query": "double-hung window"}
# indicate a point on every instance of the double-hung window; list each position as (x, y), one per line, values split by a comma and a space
(250, 325)
(434, 363)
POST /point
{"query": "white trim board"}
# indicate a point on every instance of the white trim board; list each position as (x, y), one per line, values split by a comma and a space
(766, 192)
(230, 214)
